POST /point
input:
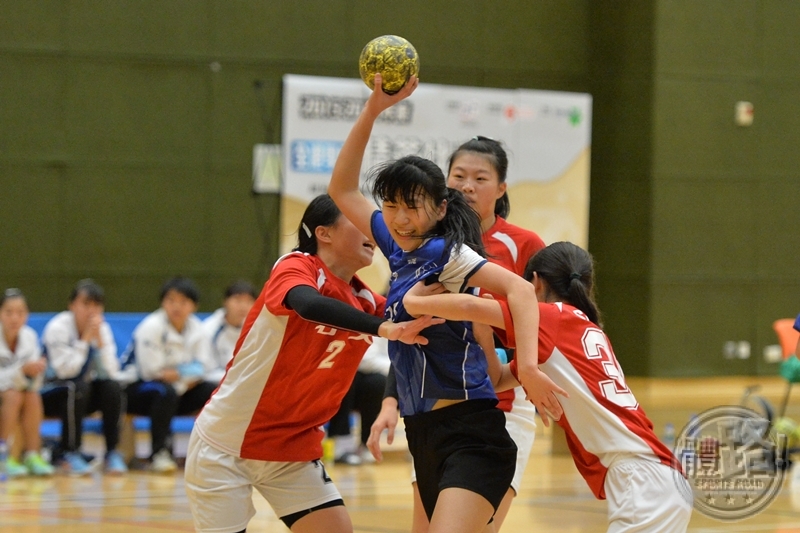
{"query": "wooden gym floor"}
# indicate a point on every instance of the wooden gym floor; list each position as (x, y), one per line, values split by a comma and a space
(554, 498)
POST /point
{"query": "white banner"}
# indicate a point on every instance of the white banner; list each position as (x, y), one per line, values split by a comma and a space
(547, 136)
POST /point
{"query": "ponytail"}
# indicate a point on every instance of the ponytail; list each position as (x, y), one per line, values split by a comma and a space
(461, 223)
(569, 272)
(322, 211)
(502, 206)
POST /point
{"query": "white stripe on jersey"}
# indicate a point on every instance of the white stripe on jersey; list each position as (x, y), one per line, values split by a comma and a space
(366, 294)
(464, 365)
(600, 431)
(247, 379)
(509, 243)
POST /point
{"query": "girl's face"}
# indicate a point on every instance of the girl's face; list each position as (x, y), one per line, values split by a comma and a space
(13, 315)
(348, 243)
(474, 175)
(178, 307)
(236, 308)
(84, 309)
(408, 225)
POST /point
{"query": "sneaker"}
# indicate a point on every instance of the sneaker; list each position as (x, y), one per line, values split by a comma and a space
(349, 458)
(163, 463)
(115, 464)
(37, 465)
(15, 469)
(74, 464)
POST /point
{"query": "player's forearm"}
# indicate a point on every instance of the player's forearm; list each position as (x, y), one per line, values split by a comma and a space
(455, 307)
(524, 310)
(346, 171)
(507, 380)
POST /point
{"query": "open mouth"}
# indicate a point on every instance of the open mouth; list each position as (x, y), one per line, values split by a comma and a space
(369, 245)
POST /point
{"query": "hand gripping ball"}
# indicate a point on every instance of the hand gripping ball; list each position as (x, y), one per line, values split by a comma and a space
(394, 57)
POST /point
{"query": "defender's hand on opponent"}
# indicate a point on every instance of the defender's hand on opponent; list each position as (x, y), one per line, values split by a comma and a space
(408, 332)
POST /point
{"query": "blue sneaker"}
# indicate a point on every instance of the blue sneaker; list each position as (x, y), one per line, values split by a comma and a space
(74, 464)
(115, 464)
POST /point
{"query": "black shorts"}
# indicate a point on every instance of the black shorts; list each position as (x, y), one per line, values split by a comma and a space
(466, 446)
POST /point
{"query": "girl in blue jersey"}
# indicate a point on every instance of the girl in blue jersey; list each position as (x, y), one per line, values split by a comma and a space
(463, 455)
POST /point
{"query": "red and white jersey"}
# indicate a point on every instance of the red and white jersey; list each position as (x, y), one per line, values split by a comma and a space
(287, 376)
(510, 247)
(602, 419)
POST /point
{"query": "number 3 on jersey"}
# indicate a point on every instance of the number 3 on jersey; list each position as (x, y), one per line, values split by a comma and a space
(333, 350)
(596, 346)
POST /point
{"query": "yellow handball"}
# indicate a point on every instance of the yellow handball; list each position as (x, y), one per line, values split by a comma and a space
(394, 57)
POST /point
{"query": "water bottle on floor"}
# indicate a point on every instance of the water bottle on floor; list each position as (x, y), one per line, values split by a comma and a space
(669, 435)
(3, 460)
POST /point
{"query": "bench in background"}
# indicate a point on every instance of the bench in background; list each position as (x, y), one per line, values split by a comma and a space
(122, 326)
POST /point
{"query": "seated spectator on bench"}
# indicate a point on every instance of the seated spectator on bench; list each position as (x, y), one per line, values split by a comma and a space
(224, 325)
(21, 371)
(171, 355)
(83, 377)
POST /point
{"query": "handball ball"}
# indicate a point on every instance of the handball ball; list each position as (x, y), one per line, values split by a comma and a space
(394, 57)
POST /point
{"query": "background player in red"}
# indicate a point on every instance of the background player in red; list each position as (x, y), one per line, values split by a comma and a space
(478, 169)
(293, 363)
(611, 439)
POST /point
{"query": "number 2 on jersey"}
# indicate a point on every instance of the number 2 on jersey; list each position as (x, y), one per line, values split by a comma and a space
(333, 350)
(595, 346)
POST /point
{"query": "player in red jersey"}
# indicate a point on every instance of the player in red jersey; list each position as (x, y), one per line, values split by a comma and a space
(294, 361)
(611, 439)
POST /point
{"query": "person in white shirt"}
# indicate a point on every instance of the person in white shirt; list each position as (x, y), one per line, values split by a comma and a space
(82, 377)
(21, 371)
(172, 355)
(224, 325)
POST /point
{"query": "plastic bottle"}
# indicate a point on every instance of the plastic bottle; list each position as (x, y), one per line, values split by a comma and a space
(3, 459)
(669, 435)
(328, 452)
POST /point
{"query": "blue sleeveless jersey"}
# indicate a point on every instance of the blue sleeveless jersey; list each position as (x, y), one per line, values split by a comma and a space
(452, 365)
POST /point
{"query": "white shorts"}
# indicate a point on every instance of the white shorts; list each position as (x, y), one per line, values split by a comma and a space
(220, 487)
(521, 427)
(646, 496)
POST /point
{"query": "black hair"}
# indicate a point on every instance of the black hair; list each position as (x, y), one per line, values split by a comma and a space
(10, 294)
(410, 177)
(497, 157)
(568, 270)
(181, 285)
(322, 211)
(90, 289)
(240, 287)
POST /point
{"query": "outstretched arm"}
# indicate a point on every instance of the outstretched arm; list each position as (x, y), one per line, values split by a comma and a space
(343, 187)
(433, 300)
(314, 307)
